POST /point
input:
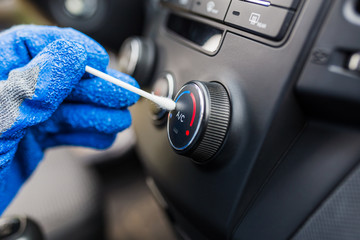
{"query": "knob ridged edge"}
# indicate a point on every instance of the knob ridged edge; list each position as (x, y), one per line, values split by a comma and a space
(218, 122)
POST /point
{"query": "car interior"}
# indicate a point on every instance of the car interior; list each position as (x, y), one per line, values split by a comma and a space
(264, 142)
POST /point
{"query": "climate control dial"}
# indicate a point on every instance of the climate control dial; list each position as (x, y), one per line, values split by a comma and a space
(198, 125)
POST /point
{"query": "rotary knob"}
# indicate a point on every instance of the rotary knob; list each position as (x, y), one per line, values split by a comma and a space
(164, 87)
(137, 58)
(198, 126)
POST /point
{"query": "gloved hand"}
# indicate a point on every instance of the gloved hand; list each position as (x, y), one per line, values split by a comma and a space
(46, 99)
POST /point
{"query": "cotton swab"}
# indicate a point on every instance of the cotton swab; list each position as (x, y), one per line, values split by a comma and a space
(163, 102)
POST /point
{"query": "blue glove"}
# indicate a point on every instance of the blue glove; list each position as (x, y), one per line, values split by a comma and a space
(46, 99)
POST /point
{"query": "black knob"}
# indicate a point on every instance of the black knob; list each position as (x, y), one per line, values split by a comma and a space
(137, 58)
(16, 228)
(198, 126)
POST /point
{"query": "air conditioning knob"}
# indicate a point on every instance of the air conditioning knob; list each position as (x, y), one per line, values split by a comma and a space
(198, 126)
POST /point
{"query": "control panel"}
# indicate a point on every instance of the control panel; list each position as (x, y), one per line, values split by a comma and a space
(277, 131)
(268, 19)
(256, 123)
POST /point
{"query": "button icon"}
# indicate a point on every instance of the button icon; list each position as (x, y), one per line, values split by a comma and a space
(320, 57)
(180, 116)
(254, 18)
(211, 8)
(215, 9)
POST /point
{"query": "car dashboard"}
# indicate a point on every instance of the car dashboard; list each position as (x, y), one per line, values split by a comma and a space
(277, 157)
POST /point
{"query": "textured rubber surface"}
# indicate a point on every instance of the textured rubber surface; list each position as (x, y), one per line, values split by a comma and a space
(47, 99)
(19, 86)
(218, 122)
(339, 216)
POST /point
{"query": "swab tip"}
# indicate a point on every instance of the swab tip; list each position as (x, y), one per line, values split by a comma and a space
(165, 103)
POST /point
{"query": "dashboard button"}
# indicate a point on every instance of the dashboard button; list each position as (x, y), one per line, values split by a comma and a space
(211, 8)
(185, 4)
(269, 21)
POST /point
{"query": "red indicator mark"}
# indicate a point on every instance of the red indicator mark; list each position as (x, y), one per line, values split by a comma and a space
(194, 109)
(187, 132)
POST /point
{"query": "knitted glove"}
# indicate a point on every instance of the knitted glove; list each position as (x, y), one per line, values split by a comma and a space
(46, 99)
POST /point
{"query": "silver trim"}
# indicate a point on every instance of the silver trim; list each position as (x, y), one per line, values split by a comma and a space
(171, 88)
(135, 54)
(260, 2)
(350, 13)
(354, 62)
(22, 220)
(135, 51)
(171, 83)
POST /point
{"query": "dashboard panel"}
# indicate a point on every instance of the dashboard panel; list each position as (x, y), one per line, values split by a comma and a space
(289, 69)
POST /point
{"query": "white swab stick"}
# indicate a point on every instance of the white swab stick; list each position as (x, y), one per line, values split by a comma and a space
(165, 103)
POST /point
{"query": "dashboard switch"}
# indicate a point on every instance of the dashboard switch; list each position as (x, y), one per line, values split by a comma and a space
(211, 8)
(198, 125)
(268, 21)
